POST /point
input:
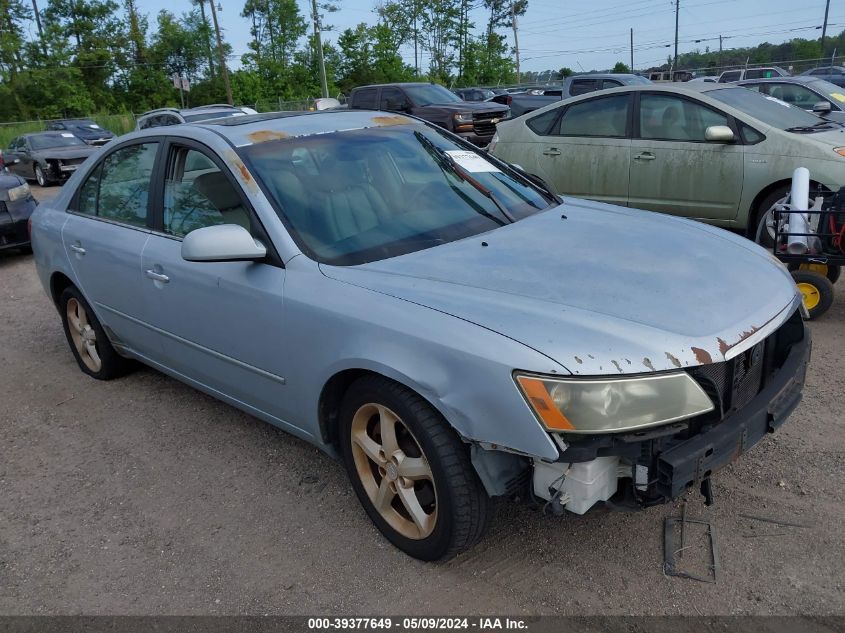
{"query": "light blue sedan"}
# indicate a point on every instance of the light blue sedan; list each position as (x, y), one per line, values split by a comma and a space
(429, 314)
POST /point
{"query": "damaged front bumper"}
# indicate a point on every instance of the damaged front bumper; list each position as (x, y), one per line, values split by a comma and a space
(657, 465)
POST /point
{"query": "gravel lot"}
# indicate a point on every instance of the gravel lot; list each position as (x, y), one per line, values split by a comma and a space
(143, 496)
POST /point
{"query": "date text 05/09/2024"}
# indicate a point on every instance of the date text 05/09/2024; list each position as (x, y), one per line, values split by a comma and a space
(414, 624)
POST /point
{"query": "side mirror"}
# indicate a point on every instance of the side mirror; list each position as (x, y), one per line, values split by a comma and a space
(719, 134)
(221, 243)
(822, 107)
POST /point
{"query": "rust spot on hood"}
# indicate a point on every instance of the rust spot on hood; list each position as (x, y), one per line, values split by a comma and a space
(391, 120)
(262, 136)
(648, 364)
(723, 345)
(674, 359)
(747, 333)
(702, 355)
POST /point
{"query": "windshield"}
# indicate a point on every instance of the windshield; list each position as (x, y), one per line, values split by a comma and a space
(430, 93)
(214, 114)
(83, 124)
(835, 94)
(767, 109)
(358, 196)
(46, 141)
(636, 79)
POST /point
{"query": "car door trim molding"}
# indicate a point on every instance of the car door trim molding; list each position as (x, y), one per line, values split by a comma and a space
(256, 370)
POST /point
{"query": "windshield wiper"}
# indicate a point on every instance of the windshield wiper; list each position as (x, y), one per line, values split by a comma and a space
(445, 160)
(811, 128)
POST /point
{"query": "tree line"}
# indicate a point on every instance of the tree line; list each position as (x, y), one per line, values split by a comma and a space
(87, 56)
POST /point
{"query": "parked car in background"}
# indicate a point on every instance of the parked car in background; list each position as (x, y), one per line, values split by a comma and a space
(572, 86)
(84, 129)
(46, 157)
(668, 75)
(175, 116)
(16, 207)
(833, 74)
(715, 152)
(706, 79)
(475, 122)
(809, 93)
(450, 330)
(739, 74)
(474, 94)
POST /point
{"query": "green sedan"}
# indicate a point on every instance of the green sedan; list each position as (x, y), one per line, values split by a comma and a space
(714, 152)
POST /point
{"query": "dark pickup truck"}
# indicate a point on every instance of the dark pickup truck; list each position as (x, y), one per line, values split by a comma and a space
(476, 122)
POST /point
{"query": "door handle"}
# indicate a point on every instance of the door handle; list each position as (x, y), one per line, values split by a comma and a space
(157, 276)
(77, 248)
(552, 151)
(645, 156)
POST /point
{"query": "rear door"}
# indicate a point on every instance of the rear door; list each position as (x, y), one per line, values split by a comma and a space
(107, 227)
(218, 323)
(585, 151)
(674, 169)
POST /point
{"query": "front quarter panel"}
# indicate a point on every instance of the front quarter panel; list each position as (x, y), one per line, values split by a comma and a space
(463, 370)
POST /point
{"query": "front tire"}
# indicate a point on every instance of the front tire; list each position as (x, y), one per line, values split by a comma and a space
(410, 471)
(87, 339)
(40, 176)
(765, 236)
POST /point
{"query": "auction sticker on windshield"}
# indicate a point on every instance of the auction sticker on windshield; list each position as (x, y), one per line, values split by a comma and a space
(471, 161)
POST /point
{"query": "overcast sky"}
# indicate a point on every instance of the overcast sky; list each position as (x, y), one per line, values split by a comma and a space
(555, 33)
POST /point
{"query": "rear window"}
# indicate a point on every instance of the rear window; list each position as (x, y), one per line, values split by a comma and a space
(365, 98)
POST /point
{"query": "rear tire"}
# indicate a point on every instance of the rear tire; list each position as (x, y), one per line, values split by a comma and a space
(415, 481)
(87, 339)
(761, 214)
(816, 290)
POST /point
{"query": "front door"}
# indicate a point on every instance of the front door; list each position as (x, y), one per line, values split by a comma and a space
(674, 169)
(104, 235)
(586, 151)
(219, 323)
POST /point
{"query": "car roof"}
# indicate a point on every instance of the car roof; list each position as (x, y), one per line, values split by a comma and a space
(195, 110)
(781, 80)
(271, 126)
(400, 83)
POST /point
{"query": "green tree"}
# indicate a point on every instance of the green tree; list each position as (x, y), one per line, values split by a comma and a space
(620, 67)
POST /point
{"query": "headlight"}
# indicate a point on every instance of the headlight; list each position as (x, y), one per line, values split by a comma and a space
(19, 193)
(588, 405)
(840, 150)
(463, 117)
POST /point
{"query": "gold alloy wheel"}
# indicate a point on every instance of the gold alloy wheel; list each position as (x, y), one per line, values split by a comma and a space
(394, 471)
(84, 336)
(810, 294)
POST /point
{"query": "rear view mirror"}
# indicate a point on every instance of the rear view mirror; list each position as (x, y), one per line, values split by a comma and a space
(222, 243)
(822, 107)
(719, 134)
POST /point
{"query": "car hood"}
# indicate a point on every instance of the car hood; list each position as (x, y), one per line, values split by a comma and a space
(83, 132)
(603, 290)
(77, 151)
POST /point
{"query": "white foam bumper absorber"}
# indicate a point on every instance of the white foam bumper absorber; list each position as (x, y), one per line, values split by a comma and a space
(799, 201)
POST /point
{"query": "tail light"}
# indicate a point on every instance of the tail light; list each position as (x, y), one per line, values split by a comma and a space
(29, 228)
(509, 100)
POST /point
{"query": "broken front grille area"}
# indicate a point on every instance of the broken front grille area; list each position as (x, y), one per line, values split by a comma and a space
(732, 384)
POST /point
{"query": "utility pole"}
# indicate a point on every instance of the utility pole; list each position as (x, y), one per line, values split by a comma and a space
(223, 70)
(319, 40)
(38, 24)
(632, 49)
(677, 11)
(720, 51)
(824, 27)
(515, 39)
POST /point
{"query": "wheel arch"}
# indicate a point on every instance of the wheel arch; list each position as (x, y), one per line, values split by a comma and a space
(337, 385)
(58, 282)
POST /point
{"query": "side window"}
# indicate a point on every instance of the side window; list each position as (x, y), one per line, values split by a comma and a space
(390, 99)
(124, 186)
(87, 197)
(542, 123)
(610, 83)
(668, 118)
(730, 75)
(795, 95)
(820, 72)
(749, 135)
(197, 194)
(603, 117)
(365, 99)
(764, 88)
(583, 86)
